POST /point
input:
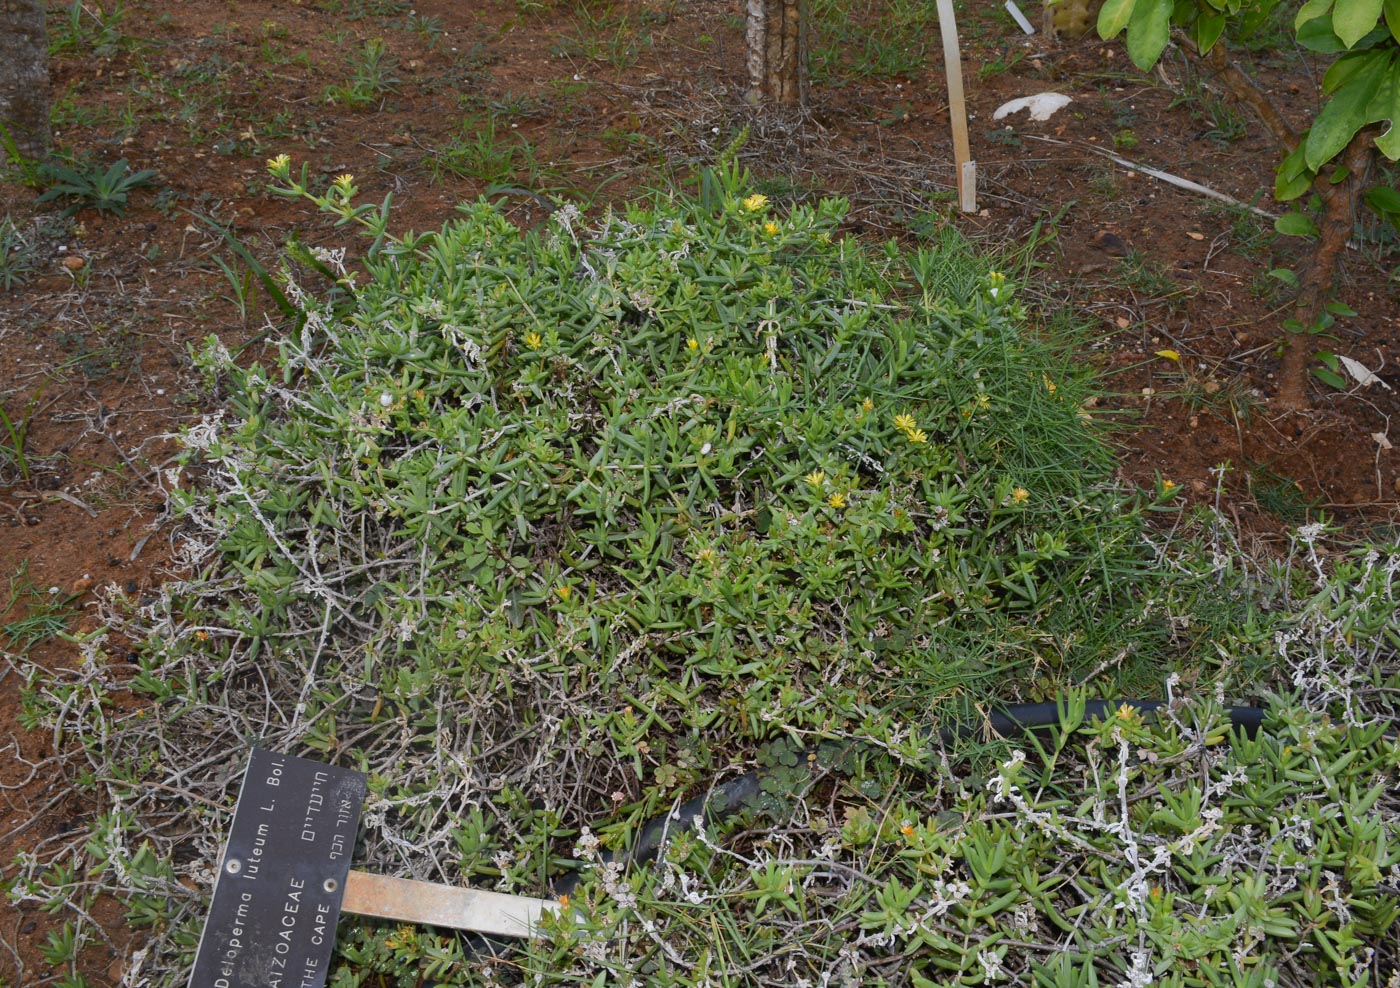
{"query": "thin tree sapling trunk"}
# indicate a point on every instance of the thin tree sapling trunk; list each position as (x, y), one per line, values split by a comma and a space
(777, 44)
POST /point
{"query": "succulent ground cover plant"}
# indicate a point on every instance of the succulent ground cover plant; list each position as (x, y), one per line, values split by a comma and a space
(549, 529)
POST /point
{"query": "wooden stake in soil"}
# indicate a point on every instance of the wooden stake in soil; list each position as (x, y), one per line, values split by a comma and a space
(964, 166)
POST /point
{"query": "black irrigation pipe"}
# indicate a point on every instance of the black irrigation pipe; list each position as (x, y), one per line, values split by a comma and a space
(728, 798)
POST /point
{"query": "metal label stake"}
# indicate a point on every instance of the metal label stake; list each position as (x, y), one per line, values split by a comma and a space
(285, 878)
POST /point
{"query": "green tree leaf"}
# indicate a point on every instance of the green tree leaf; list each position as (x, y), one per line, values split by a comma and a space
(1311, 10)
(1296, 225)
(1385, 105)
(1209, 27)
(1288, 189)
(1293, 177)
(1346, 68)
(1114, 16)
(1392, 17)
(1344, 114)
(1354, 19)
(1149, 29)
(1317, 35)
(1384, 199)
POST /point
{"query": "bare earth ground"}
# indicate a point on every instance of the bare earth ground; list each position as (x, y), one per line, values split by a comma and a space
(590, 98)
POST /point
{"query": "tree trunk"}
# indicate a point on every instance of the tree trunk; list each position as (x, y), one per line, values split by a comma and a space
(24, 76)
(1338, 218)
(777, 41)
(1340, 201)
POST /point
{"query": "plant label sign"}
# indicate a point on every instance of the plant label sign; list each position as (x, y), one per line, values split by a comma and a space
(285, 878)
(279, 888)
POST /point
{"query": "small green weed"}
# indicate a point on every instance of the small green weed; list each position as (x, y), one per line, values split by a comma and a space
(1224, 123)
(17, 255)
(885, 42)
(16, 163)
(371, 77)
(430, 29)
(1283, 497)
(106, 190)
(14, 442)
(1233, 399)
(486, 153)
(358, 10)
(1146, 278)
(87, 27)
(1003, 63)
(604, 37)
(1251, 235)
(32, 615)
(254, 275)
(1004, 136)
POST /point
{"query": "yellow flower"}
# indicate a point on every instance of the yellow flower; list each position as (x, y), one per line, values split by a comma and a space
(755, 202)
(816, 478)
(279, 164)
(1049, 384)
(867, 405)
(1020, 495)
(836, 501)
(905, 423)
(984, 399)
(916, 436)
(692, 344)
(564, 591)
(1127, 712)
(770, 228)
(907, 830)
(564, 900)
(533, 340)
(345, 181)
(1168, 486)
